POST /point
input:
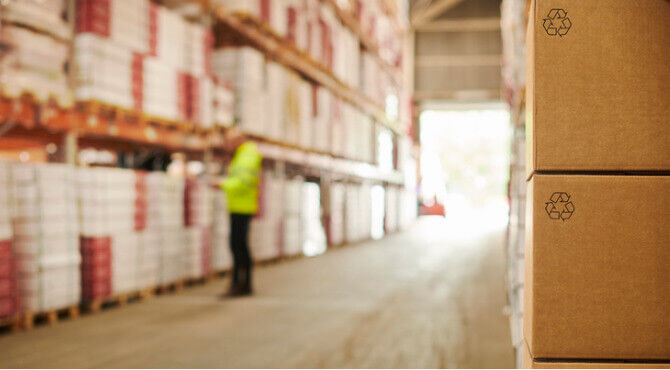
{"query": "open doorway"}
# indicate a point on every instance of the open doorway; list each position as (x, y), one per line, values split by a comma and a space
(465, 164)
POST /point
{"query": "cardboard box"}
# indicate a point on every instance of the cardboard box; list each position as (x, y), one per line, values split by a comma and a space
(597, 279)
(598, 89)
(530, 363)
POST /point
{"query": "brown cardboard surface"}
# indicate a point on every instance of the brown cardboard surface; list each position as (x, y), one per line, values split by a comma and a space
(598, 96)
(530, 363)
(598, 267)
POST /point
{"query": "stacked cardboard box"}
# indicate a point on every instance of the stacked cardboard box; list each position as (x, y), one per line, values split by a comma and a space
(264, 238)
(597, 286)
(10, 303)
(46, 235)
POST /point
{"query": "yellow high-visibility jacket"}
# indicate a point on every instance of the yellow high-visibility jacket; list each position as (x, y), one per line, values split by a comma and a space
(241, 184)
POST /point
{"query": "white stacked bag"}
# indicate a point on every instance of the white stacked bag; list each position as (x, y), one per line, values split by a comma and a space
(34, 64)
(336, 205)
(105, 71)
(313, 234)
(221, 256)
(165, 230)
(292, 227)
(264, 234)
(276, 90)
(392, 212)
(244, 69)
(46, 236)
(199, 220)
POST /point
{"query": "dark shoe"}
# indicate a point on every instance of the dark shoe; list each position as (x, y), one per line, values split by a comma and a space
(246, 290)
(236, 291)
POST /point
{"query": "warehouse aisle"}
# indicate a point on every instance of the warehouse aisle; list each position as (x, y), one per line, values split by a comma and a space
(432, 296)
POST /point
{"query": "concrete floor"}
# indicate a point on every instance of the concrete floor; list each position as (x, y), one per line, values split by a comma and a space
(428, 297)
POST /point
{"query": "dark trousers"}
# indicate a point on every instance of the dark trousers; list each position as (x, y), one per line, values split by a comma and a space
(239, 246)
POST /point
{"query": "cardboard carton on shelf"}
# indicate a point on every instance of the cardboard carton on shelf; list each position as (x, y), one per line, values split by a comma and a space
(597, 282)
(598, 91)
(530, 363)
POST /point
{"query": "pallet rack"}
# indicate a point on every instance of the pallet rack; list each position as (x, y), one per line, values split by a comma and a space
(26, 120)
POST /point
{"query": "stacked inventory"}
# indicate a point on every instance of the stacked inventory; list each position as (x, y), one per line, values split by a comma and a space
(244, 69)
(125, 241)
(313, 233)
(322, 101)
(111, 39)
(358, 212)
(137, 55)
(199, 219)
(46, 236)
(10, 303)
(515, 239)
(221, 257)
(165, 230)
(392, 209)
(223, 104)
(95, 233)
(264, 238)
(377, 211)
(597, 283)
(38, 41)
(276, 91)
(291, 228)
(335, 219)
(109, 243)
(148, 243)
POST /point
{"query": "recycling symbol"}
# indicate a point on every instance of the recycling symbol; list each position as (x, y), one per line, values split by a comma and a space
(557, 23)
(559, 206)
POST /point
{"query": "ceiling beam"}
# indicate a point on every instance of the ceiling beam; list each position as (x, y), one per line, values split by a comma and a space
(461, 25)
(458, 95)
(436, 8)
(457, 60)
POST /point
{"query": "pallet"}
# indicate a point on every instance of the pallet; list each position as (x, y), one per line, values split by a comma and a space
(51, 317)
(119, 300)
(173, 287)
(113, 113)
(11, 324)
(108, 111)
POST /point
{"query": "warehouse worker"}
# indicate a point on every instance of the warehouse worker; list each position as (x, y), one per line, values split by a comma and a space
(241, 188)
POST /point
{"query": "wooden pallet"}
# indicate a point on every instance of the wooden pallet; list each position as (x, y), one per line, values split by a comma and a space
(109, 111)
(173, 287)
(119, 300)
(115, 113)
(51, 317)
(189, 282)
(11, 324)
